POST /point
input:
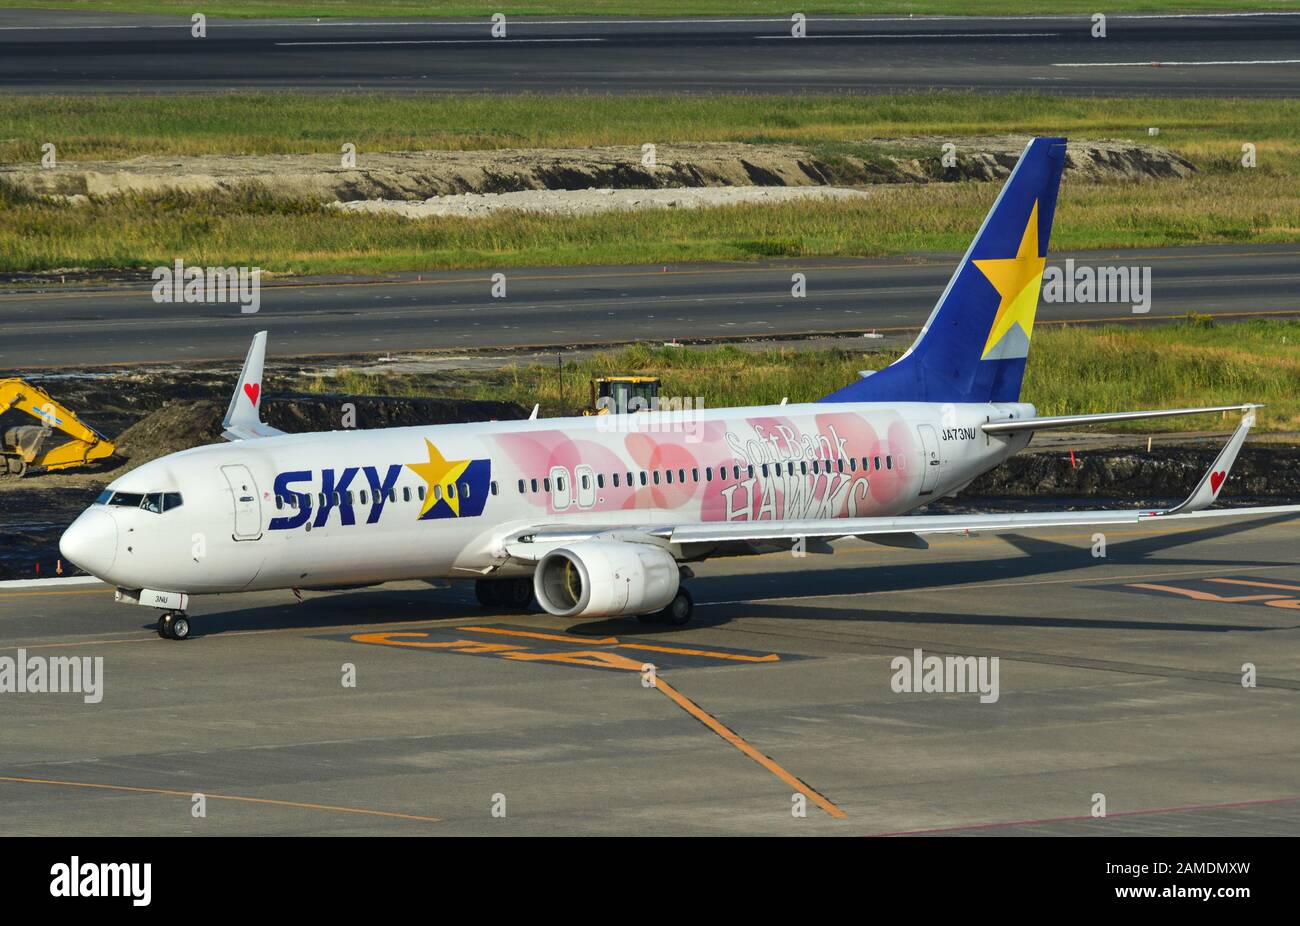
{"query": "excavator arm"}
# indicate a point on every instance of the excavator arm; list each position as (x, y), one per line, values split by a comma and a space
(40, 445)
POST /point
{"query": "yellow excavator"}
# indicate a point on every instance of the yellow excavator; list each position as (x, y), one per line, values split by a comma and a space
(44, 447)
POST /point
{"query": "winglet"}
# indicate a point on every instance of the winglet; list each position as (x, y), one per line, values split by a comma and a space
(1207, 490)
(243, 419)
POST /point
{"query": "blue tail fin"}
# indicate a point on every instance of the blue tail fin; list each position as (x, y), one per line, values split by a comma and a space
(974, 345)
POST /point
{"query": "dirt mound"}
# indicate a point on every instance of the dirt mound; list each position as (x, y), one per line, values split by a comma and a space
(590, 202)
(178, 425)
(182, 424)
(418, 175)
(1262, 472)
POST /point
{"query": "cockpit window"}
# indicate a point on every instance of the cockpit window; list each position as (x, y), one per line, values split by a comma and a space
(157, 502)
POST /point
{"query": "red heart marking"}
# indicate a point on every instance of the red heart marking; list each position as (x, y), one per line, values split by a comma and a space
(252, 390)
(1216, 480)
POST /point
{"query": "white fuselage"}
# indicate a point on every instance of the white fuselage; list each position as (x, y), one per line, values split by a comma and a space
(360, 507)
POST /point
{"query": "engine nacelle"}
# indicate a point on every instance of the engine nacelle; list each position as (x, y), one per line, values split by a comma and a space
(604, 578)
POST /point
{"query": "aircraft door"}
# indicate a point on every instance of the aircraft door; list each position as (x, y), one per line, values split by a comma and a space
(931, 465)
(248, 507)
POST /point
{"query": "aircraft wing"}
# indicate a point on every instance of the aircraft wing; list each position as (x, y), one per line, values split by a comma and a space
(243, 419)
(909, 530)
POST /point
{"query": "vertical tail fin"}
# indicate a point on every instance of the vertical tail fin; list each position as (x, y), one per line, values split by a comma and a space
(244, 415)
(974, 345)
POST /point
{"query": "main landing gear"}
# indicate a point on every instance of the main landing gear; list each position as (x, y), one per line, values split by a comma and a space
(676, 613)
(512, 594)
(174, 625)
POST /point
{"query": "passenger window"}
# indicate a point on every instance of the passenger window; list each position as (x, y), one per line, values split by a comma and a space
(749, 470)
(656, 472)
(600, 480)
(708, 474)
(320, 497)
(839, 465)
(681, 475)
(406, 493)
(420, 492)
(521, 487)
(616, 480)
(451, 489)
(559, 483)
(363, 496)
(877, 464)
(437, 493)
(764, 470)
(643, 480)
(668, 475)
(494, 487)
(889, 462)
(546, 483)
(279, 503)
(586, 481)
(534, 483)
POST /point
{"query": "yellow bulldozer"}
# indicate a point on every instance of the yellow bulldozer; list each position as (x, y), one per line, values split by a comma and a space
(622, 394)
(60, 441)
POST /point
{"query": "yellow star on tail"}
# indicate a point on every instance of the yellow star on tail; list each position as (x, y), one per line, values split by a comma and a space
(1017, 280)
(439, 472)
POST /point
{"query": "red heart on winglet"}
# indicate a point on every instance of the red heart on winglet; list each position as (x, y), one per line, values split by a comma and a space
(1216, 480)
(252, 390)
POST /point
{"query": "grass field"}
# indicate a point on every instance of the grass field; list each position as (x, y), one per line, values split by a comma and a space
(1071, 370)
(1210, 132)
(456, 8)
(1225, 203)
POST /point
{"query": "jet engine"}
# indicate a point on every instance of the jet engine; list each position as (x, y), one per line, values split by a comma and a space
(604, 578)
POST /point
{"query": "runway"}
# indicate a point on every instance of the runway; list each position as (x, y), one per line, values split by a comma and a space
(1176, 55)
(568, 306)
(1119, 677)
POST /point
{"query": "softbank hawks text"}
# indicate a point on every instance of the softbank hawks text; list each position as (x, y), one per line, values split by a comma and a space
(196, 285)
(103, 879)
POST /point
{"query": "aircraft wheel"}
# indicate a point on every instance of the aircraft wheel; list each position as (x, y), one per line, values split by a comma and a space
(487, 591)
(679, 610)
(165, 625)
(518, 593)
(180, 627)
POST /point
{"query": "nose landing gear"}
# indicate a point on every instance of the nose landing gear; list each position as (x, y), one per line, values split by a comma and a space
(174, 625)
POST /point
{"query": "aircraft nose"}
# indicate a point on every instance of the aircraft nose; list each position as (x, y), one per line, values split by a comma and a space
(91, 542)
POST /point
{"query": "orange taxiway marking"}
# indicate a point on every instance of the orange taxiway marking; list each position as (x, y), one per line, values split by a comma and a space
(736, 740)
(221, 797)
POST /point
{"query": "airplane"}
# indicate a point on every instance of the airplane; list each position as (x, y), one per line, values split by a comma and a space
(602, 516)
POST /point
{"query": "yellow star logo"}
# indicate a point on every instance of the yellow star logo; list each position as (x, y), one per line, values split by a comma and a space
(441, 473)
(1017, 280)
